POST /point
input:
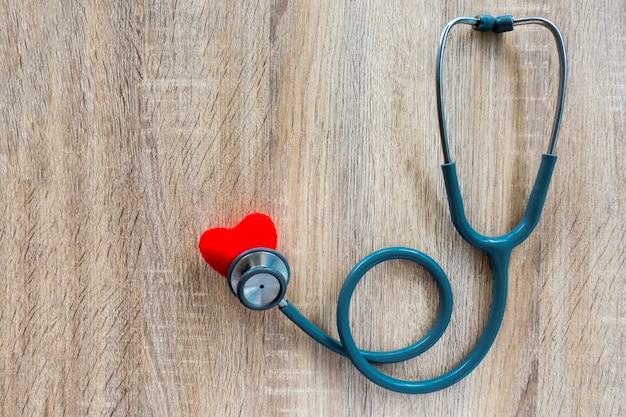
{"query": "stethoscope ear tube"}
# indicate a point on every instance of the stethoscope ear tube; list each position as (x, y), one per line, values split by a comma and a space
(501, 24)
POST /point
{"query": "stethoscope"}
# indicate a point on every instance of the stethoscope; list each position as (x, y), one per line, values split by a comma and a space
(259, 277)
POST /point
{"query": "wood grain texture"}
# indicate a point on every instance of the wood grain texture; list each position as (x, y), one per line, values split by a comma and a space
(127, 128)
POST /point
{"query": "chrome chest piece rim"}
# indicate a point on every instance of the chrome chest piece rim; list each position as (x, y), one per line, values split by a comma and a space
(259, 278)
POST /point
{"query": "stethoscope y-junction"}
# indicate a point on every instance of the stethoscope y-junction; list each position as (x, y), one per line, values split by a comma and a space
(258, 275)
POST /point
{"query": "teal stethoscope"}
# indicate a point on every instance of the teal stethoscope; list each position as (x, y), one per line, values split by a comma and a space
(268, 269)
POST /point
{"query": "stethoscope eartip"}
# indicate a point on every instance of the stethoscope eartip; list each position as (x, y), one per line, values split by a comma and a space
(259, 278)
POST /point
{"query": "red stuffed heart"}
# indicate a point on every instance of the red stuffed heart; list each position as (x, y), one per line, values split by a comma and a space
(220, 246)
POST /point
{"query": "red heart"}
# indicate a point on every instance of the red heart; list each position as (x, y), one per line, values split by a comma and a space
(220, 246)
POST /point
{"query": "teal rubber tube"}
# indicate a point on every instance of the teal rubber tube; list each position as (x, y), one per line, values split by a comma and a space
(498, 250)
(417, 348)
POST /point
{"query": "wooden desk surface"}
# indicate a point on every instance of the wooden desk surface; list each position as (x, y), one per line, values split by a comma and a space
(127, 128)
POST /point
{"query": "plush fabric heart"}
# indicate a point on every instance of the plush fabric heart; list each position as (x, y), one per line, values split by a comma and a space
(220, 246)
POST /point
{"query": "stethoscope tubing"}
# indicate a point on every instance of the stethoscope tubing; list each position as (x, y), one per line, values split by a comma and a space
(498, 250)
(358, 272)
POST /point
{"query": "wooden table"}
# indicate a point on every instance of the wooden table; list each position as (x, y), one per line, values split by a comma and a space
(127, 128)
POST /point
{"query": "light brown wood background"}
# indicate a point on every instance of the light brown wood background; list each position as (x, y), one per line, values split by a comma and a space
(129, 127)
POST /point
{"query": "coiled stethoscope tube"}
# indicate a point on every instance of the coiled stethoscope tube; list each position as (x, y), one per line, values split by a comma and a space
(259, 277)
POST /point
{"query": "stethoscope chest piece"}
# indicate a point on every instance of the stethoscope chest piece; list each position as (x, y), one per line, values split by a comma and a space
(259, 278)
